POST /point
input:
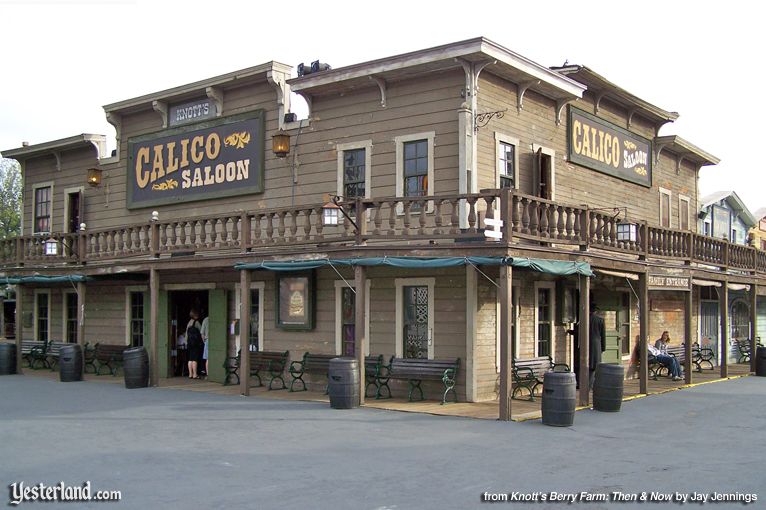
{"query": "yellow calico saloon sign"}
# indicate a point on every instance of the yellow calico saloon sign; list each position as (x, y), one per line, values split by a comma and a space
(206, 160)
(602, 146)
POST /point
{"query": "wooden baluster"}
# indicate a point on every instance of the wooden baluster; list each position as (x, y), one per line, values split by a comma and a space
(570, 225)
(524, 206)
(214, 232)
(454, 217)
(294, 227)
(407, 206)
(281, 225)
(545, 219)
(472, 214)
(270, 227)
(438, 217)
(306, 224)
(319, 223)
(534, 218)
(392, 217)
(376, 218)
(423, 207)
(235, 231)
(224, 231)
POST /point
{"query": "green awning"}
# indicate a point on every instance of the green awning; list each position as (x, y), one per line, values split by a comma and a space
(554, 267)
(15, 280)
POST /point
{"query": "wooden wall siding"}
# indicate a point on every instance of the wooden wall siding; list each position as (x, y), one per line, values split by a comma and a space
(73, 173)
(535, 124)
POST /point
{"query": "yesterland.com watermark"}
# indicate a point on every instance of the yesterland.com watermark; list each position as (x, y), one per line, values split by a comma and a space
(619, 497)
(19, 492)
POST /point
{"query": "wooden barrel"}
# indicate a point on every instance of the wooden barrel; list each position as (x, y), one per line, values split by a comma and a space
(70, 363)
(7, 358)
(608, 387)
(343, 383)
(760, 361)
(135, 366)
(559, 399)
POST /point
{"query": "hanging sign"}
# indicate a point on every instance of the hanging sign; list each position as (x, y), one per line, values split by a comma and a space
(212, 159)
(665, 282)
(194, 111)
(607, 148)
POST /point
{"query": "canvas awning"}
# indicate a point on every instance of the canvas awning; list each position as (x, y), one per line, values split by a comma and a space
(555, 267)
(618, 274)
(705, 283)
(38, 278)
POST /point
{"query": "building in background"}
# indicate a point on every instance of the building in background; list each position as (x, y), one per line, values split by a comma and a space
(724, 215)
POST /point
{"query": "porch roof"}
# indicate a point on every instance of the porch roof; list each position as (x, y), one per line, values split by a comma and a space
(555, 267)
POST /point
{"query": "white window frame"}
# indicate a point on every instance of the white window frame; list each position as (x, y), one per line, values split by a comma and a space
(515, 293)
(552, 287)
(664, 191)
(362, 144)
(35, 187)
(399, 141)
(339, 285)
(552, 153)
(400, 283)
(35, 315)
(64, 297)
(261, 288)
(128, 290)
(684, 198)
(510, 140)
(67, 192)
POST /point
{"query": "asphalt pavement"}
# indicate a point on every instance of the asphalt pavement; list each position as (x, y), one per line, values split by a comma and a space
(165, 448)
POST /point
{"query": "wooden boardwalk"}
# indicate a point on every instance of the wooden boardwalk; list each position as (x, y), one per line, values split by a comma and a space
(522, 409)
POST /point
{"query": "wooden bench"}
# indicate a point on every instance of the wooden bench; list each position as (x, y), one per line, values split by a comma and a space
(271, 362)
(32, 352)
(529, 373)
(703, 355)
(374, 376)
(310, 364)
(743, 350)
(89, 358)
(109, 356)
(52, 351)
(415, 371)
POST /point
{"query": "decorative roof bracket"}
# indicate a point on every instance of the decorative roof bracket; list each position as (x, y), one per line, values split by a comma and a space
(161, 107)
(57, 155)
(560, 104)
(521, 89)
(631, 113)
(381, 83)
(597, 103)
(216, 95)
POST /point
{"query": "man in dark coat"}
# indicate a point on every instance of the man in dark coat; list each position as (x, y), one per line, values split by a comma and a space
(597, 341)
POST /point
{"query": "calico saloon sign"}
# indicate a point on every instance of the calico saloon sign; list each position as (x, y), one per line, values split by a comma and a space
(212, 159)
(604, 147)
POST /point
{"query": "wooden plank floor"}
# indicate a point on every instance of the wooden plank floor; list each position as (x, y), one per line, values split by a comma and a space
(522, 409)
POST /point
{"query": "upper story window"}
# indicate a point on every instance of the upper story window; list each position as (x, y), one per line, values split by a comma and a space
(354, 162)
(734, 235)
(762, 225)
(706, 230)
(683, 212)
(507, 161)
(665, 208)
(415, 165)
(43, 198)
(763, 245)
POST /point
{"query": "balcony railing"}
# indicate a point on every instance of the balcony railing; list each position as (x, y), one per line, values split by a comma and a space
(403, 221)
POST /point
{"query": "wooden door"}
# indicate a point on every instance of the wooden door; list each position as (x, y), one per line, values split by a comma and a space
(613, 310)
(217, 334)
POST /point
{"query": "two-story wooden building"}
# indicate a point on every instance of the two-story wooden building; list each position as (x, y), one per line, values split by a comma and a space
(200, 206)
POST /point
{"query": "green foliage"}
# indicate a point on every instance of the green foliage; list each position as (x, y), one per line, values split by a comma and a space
(10, 198)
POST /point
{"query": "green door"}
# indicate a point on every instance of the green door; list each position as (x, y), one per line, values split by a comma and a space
(613, 310)
(163, 333)
(217, 334)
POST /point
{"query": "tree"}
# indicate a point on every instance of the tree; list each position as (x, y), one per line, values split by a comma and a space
(10, 198)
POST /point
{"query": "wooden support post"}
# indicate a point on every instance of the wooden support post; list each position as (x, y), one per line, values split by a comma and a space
(19, 320)
(583, 337)
(753, 324)
(506, 213)
(360, 320)
(246, 231)
(688, 335)
(244, 332)
(506, 342)
(361, 223)
(80, 313)
(154, 330)
(643, 332)
(723, 305)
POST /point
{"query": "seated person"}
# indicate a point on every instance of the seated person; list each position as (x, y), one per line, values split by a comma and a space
(662, 343)
(667, 361)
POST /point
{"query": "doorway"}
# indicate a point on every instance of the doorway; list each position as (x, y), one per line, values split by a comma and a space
(709, 319)
(614, 307)
(180, 304)
(73, 211)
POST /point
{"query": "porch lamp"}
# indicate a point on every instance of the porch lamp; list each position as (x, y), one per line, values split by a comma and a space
(94, 177)
(330, 213)
(51, 247)
(280, 144)
(627, 232)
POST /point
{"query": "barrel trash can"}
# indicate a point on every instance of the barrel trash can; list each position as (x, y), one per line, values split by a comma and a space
(760, 361)
(70, 363)
(7, 358)
(608, 387)
(559, 399)
(135, 366)
(343, 383)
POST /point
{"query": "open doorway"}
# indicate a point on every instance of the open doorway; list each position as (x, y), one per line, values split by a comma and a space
(180, 304)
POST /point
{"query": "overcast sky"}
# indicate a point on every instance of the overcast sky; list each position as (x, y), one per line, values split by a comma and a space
(63, 60)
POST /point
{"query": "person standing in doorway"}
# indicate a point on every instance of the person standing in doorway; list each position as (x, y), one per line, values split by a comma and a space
(194, 343)
(204, 331)
(597, 339)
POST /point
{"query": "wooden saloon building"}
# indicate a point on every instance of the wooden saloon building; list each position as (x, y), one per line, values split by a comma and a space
(485, 201)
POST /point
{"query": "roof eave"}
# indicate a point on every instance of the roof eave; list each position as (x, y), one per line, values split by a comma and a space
(72, 142)
(682, 147)
(145, 101)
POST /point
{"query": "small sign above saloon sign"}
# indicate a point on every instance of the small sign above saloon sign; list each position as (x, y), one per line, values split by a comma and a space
(606, 148)
(210, 159)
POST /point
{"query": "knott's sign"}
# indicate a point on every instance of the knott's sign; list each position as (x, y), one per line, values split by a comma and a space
(213, 159)
(604, 147)
(665, 282)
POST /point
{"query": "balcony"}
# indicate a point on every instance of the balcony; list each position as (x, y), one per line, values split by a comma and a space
(395, 222)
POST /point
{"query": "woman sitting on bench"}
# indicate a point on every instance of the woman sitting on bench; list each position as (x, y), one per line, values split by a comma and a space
(666, 360)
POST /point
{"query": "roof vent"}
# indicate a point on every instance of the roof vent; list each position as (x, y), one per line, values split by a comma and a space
(316, 67)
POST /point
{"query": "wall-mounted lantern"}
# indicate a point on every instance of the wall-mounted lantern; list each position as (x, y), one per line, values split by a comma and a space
(280, 144)
(94, 177)
(51, 247)
(627, 232)
(330, 214)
